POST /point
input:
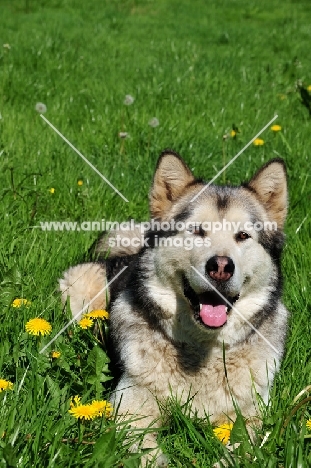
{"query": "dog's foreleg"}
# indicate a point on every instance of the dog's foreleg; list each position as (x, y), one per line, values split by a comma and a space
(139, 405)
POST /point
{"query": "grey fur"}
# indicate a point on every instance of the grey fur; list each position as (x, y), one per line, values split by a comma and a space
(162, 343)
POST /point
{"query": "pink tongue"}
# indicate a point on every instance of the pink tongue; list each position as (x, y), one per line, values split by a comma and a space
(213, 316)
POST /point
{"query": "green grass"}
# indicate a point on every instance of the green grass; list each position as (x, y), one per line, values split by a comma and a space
(199, 67)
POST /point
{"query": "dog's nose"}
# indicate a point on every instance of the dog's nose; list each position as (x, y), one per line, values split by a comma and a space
(220, 268)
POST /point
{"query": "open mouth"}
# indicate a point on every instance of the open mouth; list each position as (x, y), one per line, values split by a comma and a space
(209, 308)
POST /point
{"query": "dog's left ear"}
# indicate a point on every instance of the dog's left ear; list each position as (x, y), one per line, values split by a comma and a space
(171, 178)
(270, 185)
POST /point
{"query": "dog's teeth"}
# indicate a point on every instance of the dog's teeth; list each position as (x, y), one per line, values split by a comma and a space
(200, 307)
(226, 309)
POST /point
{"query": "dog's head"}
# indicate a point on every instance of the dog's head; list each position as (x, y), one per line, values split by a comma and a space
(218, 246)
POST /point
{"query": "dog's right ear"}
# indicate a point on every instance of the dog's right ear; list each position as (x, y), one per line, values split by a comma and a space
(171, 178)
(270, 185)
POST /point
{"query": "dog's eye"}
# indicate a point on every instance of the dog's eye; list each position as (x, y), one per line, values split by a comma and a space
(242, 235)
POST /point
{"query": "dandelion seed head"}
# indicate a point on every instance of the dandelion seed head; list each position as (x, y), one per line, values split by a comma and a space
(154, 122)
(123, 135)
(128, 101)
(41, 108)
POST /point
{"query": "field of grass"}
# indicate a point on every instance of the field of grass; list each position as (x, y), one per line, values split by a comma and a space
(201, 68)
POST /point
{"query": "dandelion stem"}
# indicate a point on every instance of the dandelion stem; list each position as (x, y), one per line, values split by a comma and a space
(122, 130)
(293, 411)
(81, 428)
(122, 145)
(101, 334)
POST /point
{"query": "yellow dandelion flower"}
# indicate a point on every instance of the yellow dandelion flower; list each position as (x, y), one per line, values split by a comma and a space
(233, 133)
(97, 314)
(276, 128)
(282, 97)
(86, 322)
(258, 142)
(309, 88)
(102, 408)
(75, 401)
(5, 385)
(52, 190)
(223, 432)
(85, 412)
(80, 182)
(55, 354)
(38, 326)
(79, 411)
(308, 424)
(19, 302)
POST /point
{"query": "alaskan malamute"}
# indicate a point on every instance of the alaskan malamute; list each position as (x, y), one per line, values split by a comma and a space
(205, 284)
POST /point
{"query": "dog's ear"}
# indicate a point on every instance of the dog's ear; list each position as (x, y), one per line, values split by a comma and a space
(270, 185)
(171, 178)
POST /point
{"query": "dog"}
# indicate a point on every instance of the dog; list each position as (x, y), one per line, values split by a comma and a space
(197, 312)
